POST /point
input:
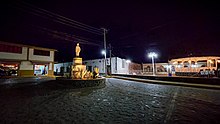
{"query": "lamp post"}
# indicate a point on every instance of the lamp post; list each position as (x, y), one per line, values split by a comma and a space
(152, 55)
(104, 33)
(105, 69)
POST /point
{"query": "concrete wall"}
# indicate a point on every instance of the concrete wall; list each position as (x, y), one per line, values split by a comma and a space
(27, 59)
(14, 56)
(116, 65)
(40, 58)
(26, 69)
(122, 66)
(59, 65)
(51, 69)
(96, 63)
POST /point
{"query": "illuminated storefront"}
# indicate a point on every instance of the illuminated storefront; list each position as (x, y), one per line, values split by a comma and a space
(207, 65)
(25, 60)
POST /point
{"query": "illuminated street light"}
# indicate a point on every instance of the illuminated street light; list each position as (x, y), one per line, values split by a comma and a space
(105, 64)
(152, 55)
(104, 34)
(103, 52)
(128, 61)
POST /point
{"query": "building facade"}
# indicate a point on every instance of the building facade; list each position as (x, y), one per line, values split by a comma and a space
(25, 60)
(206, 65)
(160, 68)
(117, 66)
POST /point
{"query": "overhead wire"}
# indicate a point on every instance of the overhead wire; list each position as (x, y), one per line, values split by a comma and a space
(58, 18)
(62, 17)
(66, 36)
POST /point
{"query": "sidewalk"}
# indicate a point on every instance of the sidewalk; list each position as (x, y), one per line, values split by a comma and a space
(25, 80)
(169, 82)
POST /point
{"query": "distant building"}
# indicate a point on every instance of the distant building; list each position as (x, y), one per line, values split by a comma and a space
(196, 66)
(160, 68)
(135, 69)
(25, 60)
(118, 66)
(62, 68)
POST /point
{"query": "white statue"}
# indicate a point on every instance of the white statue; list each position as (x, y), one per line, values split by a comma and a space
(78, 49)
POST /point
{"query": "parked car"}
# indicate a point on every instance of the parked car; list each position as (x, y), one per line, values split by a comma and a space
(12, 73)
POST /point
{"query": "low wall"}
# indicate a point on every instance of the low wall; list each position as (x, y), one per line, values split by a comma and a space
(198, 80)
(80, 83)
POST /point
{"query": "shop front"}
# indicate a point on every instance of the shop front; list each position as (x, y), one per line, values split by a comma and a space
(41, 69)
(9, 68)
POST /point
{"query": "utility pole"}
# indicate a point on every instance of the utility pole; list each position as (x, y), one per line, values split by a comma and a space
(110, 52)
(104, 33)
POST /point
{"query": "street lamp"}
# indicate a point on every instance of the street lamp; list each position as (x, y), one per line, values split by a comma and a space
(104, 34)
(152, 55)
(128, 61)
(105, 64)
(103, 52)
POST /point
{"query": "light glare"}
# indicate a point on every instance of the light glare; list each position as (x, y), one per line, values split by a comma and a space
(152, 54)
(103, 52)
(128, 61)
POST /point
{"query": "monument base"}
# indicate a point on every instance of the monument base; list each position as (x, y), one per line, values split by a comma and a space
(78, 83)
(78, 71)
(77, 61)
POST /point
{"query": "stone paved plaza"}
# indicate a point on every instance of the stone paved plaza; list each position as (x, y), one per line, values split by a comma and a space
(120, 101)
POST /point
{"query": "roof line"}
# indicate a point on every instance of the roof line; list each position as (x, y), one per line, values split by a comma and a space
(22, 45)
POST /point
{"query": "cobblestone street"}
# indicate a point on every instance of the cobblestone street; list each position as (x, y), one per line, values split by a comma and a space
(120, 101)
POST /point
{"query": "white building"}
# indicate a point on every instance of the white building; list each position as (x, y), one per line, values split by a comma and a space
(118, 66)
(61, 68)
(26, 60)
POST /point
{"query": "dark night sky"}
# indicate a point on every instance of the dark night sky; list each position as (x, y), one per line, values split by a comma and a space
(173, 29)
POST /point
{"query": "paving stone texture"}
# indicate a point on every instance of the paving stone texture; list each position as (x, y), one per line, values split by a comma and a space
(120, 101)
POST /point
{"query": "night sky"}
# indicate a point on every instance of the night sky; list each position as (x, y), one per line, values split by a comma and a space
(170, 28)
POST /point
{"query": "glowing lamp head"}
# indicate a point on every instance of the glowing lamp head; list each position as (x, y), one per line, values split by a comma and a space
(103, 52)
(152, 54)
(128, 61)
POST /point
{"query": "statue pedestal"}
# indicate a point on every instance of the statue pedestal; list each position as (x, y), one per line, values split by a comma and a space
(78, 69)
(77, 61)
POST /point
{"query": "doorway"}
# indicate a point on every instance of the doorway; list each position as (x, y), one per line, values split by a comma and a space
(40, 69)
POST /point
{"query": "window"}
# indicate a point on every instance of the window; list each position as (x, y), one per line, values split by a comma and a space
(202, 63)
(193, 64)
(147, 69)
(179, 62)
(10, 48)
(41, 52)
(213, 63)
(185, 64)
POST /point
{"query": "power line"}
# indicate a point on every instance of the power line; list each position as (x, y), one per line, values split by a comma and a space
(67, 37)
(58, 18)
(77, 23)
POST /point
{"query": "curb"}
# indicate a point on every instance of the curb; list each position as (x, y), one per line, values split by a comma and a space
(206, 86)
